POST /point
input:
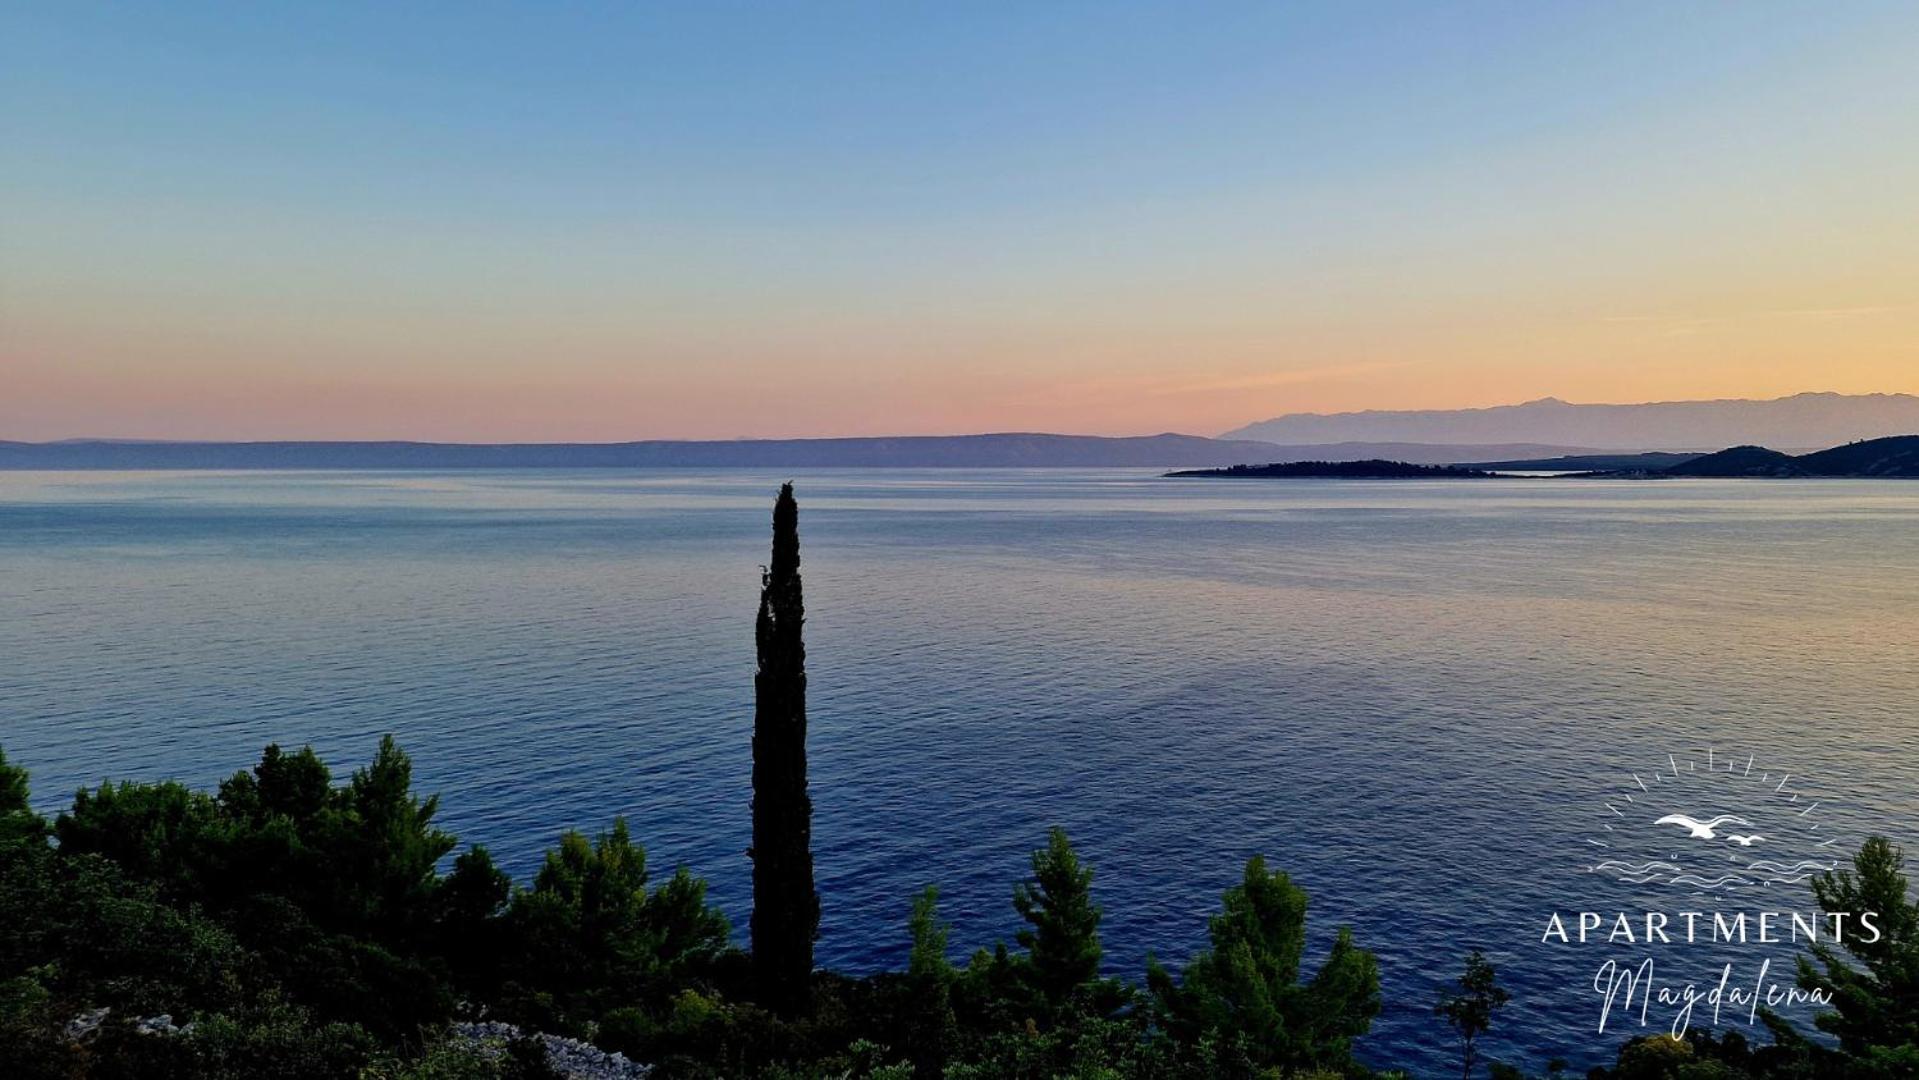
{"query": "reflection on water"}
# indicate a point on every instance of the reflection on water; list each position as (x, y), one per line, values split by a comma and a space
(1416, 697)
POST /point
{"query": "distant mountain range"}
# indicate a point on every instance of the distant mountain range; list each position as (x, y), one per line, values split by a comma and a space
(1803, 420)
(1897, 456)
(1538, 434)
(936, 451)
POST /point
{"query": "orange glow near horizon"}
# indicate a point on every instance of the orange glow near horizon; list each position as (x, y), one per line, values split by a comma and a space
(494, 384)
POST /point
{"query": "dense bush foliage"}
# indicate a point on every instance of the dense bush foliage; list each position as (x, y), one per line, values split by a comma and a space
(291, 926)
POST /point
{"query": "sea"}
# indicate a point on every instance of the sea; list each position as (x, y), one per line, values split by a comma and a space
(1451, 711)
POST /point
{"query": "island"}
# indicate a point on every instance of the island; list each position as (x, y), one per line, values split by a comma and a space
(1650, 461)
(1375, 469)
(1895, 457)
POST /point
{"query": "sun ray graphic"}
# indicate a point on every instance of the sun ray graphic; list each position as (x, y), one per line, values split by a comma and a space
(1711, 825)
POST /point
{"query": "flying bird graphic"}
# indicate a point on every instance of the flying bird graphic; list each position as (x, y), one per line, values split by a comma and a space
(1701, 830)
(1744, 841)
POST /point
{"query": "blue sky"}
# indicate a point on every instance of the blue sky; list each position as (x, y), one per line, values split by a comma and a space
(487, 220)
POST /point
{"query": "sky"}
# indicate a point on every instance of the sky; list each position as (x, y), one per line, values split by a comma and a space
(494, 222)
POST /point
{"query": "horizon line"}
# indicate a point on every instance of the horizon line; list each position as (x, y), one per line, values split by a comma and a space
(1226, 436)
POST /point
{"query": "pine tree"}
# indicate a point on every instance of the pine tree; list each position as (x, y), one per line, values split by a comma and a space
(929, 1021)
(17, 818)
(1469, 1009)
(13, 787)
(1245, 994)
(1875, 994)
(786, 909)
(1063, 938)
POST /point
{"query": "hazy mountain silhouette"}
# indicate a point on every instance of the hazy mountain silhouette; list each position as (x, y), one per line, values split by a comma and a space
(1800, 421)
(935, 451)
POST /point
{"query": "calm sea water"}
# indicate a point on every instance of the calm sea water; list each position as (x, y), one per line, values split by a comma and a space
(1422, 699)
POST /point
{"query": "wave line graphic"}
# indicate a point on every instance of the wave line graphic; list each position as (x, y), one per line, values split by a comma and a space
(1634, 868)
(1768, 866)
(1688, 879)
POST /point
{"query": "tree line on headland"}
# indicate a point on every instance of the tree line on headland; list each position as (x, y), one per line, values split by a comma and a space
(287, 925)
(1893, 458)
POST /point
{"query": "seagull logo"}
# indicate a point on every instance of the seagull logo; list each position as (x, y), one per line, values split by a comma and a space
(1721, 806)
(1703, 830)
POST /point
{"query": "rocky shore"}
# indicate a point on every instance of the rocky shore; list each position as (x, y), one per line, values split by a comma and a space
(571, 1058)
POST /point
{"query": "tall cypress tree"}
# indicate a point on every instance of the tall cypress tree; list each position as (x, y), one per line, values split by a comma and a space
(786, 910)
